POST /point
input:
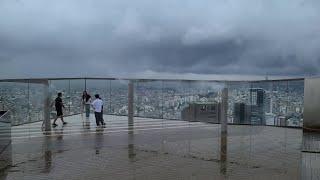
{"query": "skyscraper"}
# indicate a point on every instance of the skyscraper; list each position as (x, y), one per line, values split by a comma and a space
(257, 105)
(257, 96)
(239, 114)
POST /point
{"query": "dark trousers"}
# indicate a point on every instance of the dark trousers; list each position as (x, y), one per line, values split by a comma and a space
(99, 119)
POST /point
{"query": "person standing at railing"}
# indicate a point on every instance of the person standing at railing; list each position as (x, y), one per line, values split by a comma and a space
(97, 107)
(59, 105)
(86, 101)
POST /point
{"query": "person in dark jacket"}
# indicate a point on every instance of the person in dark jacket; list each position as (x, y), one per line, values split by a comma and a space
(59, 105)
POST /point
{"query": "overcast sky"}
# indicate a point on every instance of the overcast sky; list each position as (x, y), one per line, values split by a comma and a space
(54, 38)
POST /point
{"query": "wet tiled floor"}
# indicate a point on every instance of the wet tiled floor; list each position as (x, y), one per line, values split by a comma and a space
(157, 149)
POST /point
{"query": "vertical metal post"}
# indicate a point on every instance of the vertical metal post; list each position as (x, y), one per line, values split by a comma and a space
(28, 92)
(110, 97)
(46, 115)
(131, 151)
(287, 103)
(130, 103)
(138, 100)
(162, 99)
(69, 95)
(85, 84)
(224, 130)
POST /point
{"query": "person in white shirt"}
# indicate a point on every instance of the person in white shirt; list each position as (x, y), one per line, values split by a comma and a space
(97, 107)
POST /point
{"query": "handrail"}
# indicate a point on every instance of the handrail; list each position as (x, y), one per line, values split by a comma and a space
(44, 80)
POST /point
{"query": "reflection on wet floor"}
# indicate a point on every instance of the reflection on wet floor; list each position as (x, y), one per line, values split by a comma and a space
(131, 150)
(223, 153)
(99, 139)
(5, 148)
(47, 155)
(160, 149)
(86, 123)
(311, 155)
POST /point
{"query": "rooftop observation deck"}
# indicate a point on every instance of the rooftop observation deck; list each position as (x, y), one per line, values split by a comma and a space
(156, 149)
(162, 129)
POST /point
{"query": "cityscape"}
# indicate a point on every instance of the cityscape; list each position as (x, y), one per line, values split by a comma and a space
(281, 104)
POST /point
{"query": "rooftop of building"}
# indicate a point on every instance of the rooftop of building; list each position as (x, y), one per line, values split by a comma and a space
(158, 149)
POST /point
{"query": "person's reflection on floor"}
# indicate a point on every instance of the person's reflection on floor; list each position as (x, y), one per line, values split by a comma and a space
(86, 124)
(47, 155)
(131, 151)
(58, 133)
(98, 139)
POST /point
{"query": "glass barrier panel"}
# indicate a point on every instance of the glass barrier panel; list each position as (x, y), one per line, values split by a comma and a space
(181, 98)
(5, 139)
(148, 98)
(76, 89)
(171, 90)
(119, 97)
(200, 101)
(59, 86)
(15, 97)
(238, 103)
(36, 102)
(280, 102)
(260, 98)
(295, 105)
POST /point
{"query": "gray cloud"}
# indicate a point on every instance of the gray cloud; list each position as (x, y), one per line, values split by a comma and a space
(121, 37)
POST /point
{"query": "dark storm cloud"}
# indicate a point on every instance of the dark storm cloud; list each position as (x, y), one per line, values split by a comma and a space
(99, 38)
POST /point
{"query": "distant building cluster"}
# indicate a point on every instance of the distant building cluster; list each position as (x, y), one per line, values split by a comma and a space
(202, 112)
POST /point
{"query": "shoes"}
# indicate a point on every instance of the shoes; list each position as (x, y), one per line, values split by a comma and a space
(54, 125)
(64, 123)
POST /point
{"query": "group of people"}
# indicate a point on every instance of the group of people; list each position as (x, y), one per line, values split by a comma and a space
(96, 104)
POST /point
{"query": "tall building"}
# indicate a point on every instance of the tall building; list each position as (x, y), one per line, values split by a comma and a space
(281, 121)
(268, 104)
(257, 106)
(257, 115)
(202, 112)
(257, 96)
(252, 113)
(239, 114)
